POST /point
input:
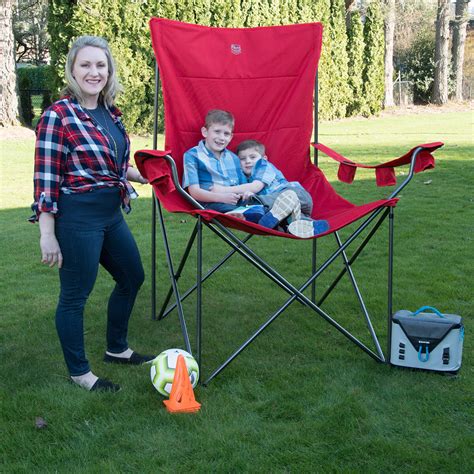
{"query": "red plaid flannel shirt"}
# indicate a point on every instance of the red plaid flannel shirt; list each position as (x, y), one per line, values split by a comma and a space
(73, 154)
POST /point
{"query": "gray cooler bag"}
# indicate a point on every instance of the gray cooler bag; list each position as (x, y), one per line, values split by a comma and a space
(427, 340)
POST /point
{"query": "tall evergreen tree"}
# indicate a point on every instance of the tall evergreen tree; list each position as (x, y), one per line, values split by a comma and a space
(305, 11)
(202, 12)
(321, 12)
(339, 84)
(285, 11)
(234, 14)
(218, 13)
(355, 53)
(374, 58)
(253, 15)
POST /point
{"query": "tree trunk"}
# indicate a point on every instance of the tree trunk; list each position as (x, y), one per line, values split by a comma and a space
(389, 27)
(440, 86)
(459, 41)
(350, 7)
(8, 88)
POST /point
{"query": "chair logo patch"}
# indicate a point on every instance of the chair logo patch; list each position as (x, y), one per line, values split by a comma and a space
(235, 49)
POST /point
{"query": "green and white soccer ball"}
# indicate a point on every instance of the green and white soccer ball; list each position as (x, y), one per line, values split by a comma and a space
(163, 368)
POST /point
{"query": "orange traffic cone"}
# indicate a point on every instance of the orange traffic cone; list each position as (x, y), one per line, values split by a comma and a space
(182, 396)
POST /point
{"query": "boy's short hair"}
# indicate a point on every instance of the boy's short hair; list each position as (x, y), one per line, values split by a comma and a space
(219, 116)
(246, 144)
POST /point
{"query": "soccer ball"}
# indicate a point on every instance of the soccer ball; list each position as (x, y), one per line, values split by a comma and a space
(164, 365)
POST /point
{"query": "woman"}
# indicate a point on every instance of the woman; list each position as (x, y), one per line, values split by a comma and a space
(81, 181)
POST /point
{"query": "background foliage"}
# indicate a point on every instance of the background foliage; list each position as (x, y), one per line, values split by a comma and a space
(125, 25)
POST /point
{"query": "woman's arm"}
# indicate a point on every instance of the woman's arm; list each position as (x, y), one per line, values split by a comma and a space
(50, 251)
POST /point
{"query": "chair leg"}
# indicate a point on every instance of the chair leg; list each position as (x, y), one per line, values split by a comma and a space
(169, 260)
(199, 293)
(313, 269)
(182, 263)
(360, 298)
(390, 281)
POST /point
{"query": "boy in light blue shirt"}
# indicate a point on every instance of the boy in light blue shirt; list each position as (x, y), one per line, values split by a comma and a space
(212, 173)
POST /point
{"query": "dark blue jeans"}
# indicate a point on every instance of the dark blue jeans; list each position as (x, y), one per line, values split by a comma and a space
(91, 230)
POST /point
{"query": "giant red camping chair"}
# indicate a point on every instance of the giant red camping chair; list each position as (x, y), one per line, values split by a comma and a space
(266, 77)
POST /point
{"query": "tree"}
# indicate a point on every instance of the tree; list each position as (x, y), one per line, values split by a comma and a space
(389, 30)
(31, 36)
(355, 53)
(373, 58)
(350, 7)
(8, 88)
(440, 85)
(459, 41)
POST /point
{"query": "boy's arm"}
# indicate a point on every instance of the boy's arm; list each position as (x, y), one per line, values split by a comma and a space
(203, 195)
(253, 187)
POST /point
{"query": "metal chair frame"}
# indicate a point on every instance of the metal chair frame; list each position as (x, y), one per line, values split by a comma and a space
(375, 219)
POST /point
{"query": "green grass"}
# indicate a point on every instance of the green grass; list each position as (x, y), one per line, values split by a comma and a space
(302, 398)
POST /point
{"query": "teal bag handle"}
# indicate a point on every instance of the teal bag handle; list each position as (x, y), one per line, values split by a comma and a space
(424, 358)
(434, 310)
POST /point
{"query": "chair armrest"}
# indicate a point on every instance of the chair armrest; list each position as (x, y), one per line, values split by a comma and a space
(420, 157)
(160, 169)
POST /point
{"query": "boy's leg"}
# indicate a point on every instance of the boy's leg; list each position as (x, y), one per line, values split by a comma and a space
(306, 201)
(219, 206)
(284, 205)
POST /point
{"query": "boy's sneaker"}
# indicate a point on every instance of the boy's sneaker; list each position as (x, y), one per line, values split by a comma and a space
(286, 203)
(308, 228)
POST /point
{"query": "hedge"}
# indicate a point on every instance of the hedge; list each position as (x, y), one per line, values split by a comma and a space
(125, 25)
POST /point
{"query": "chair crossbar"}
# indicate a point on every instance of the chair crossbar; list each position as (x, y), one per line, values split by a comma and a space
(297, 294)
(354, 256)
(242, 248)
(165, 310)
(359, 297)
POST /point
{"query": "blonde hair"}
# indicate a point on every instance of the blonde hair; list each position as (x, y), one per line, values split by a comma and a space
(111, 89)
(221, 117)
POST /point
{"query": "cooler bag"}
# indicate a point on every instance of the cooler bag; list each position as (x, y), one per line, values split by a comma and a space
(427, 340)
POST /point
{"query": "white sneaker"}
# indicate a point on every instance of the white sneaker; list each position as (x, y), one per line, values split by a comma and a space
(308, 228)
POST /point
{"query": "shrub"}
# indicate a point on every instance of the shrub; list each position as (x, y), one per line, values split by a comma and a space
(26, 106)
(417, 65)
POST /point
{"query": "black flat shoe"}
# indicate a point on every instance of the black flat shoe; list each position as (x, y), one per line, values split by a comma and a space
(103, 385)
(134, 359)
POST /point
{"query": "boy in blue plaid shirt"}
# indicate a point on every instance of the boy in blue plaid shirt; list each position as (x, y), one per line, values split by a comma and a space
(285, 201)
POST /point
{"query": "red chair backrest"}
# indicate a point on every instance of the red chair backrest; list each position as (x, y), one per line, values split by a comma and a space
(264, 76)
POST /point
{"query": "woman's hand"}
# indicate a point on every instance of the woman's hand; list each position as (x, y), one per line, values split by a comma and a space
(50, 251)
(134, 175)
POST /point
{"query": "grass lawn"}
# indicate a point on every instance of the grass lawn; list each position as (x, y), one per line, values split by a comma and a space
(302, 398)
